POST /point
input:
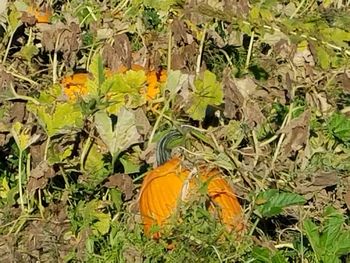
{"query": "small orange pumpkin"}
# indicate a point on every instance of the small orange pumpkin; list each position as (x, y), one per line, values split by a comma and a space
(75, 85)
(41, 15)
(162, 189)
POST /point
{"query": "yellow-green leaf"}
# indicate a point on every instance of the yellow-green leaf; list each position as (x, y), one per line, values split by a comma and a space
(208, 91)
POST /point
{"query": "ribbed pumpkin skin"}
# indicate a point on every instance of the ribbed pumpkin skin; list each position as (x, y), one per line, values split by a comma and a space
(223, 196)
(161, 191)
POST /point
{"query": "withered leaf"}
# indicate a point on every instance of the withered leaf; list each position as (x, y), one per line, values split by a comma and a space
(118, 54)
(325, 179)
(232, 97)
(40, 176)
(297, 133)
(123, 182)
(142, 124)
(253, 114)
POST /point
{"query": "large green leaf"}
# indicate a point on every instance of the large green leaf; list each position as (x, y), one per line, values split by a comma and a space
(330, 240)
(121, 136)
(62, 118)
(272, 202)
(339, 126)
(208, 91)
(313, 236)
(175, 81)
(124, 90)
(97, 70)
(95, 168)
(22, 136)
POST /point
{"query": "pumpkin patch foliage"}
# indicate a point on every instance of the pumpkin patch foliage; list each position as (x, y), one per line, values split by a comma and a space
(174, 131)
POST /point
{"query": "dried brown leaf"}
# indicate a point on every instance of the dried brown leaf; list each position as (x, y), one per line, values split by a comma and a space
(39, 177)
(142, 124)
(118, 54)
(297, 134)
(123, 182)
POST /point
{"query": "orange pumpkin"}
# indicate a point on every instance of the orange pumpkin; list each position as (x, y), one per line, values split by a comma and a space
(156, 204)
(162, 189)
(41, 16)
(223, 197)
(75, 85)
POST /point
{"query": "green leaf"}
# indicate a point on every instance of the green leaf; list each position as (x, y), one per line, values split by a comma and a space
(332, 229)
(124, 90)
(92, 215)
(313, 236)
(97, 70)
(120, 137)
(22, 136)
(322, 57)
(264, 255)
(339, 126)
(14, 19)
(272, 202)
(208, 91)
(95, 168)
(343, 246)
(28, 52)
(333, 242)
(102, 225)
(163, 5)
(175, 81)
(129, 166)
(59, 153)
(65, 118)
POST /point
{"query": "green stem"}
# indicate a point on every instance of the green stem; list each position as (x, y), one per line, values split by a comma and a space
(254, 226)
(29, 207)
(84, 152)
(8, 46)
(250, 49)
(21, 97)
(20, 181)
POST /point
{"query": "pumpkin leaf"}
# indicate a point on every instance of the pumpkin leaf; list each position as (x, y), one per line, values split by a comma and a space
(262, 254)
(95, 168)
(332, 242)
(92, 215)
(64, 118)
(94, 85)
(339, 126)
(22, 136)
(272, 202)
(28, 52)
(163, 5)
(124, 90)
(175, 81)
(14, 19)
(208, 91)
(322, 57)
(121, 136)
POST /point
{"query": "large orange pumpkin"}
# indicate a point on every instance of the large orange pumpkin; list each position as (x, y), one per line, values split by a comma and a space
(162, 189)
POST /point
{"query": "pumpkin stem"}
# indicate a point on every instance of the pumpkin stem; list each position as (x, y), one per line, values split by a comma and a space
(169, 141)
